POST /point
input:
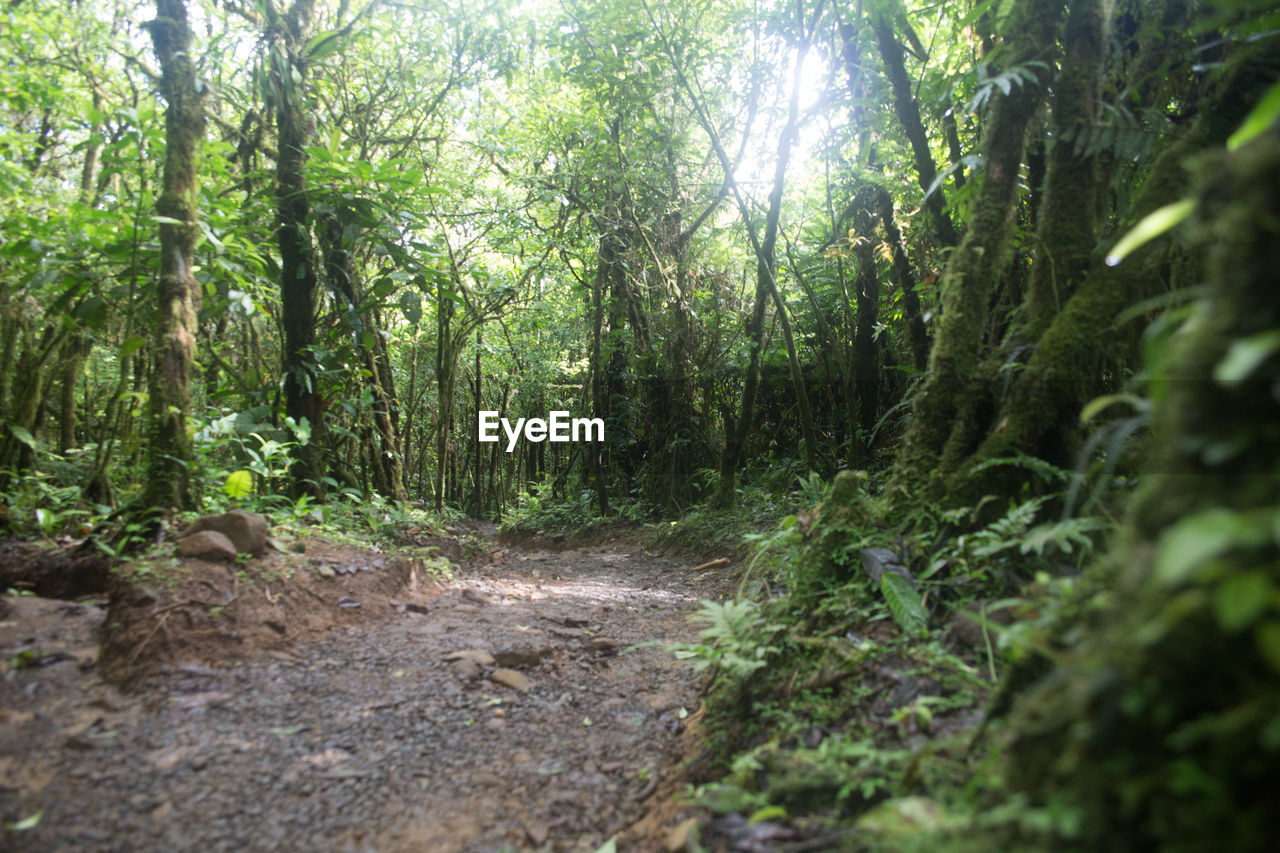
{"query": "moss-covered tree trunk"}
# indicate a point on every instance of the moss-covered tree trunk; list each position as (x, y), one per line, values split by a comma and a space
(1074, 357)
(168, 484)
(1161, 731)
(981, 259)
(303, 402)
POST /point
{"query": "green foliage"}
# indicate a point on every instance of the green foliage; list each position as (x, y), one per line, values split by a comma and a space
(904, 604)
(736, 642)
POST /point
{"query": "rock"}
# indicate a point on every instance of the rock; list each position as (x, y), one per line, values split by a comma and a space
(480, 656)
(246, 530)
(536, 831)
(511, 678)
(877, 561)
(678, 837)
(207, 545)
(520, 656)
(466, 669)
(604, 646)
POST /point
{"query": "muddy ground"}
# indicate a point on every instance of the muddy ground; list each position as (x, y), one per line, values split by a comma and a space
(350, 701)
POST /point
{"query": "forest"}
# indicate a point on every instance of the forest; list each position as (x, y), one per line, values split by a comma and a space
(941, 336)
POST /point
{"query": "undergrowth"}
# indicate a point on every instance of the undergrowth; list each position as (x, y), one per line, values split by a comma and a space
(860, 675)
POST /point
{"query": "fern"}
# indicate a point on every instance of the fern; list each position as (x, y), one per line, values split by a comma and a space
(1007, 532)
(735, 641)
(904, 604)
(1046, 471)
(1062, 535)
(1018, 75)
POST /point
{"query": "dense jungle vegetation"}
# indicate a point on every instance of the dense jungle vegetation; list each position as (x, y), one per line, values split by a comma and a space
(989, 286)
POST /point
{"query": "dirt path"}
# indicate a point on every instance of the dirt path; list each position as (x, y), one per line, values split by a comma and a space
(369, 739)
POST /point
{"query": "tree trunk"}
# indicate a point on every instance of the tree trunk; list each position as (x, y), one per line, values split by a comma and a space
(908, 110)
(866, 355)
(917, 333)
(1071, 360)
(981, 258)
(387, 468)
(168, 483)
(302, 397)
(1158, 731)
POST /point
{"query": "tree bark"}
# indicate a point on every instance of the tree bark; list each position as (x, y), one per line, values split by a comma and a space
(1070, 363)
(1175, 677)
(980, 260)
(388, 469)
(168, 483)
(303, 402)
(908, 111)
(917, 333)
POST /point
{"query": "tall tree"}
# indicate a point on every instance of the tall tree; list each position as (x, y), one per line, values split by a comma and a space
(287, 42)
(168, 481)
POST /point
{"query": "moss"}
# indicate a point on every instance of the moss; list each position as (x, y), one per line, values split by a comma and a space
(982, 257)
(1160, 731)
(1073, 359)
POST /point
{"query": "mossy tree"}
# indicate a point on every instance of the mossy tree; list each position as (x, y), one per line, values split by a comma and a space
(168, 473)
(1161, 731)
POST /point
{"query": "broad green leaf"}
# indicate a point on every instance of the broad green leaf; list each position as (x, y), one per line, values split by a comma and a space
(904, 604)
(301, 429)
(323, 45)
(239, 484)
(1195, 540)
(92, 312)
(1259, 119)
(1241, 598)
(1245, 356)
(1152, 226)
(132, 344)
(23, 435)
(411, 305)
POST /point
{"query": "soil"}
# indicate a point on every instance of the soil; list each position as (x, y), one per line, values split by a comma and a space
(347, 700)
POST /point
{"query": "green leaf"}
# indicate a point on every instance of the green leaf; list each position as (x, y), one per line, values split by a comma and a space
(904, 604)
(239, 484)
(411, 305)
(610, 846)
(323, 45)
(23, 435)
(92, 312)
(1267, 639)
(1152, 226)
(1259, 119)
(1098, 404)
(1241, 599)
(1195, 540)
(1245, 356)
(132, 344)
(26, 823)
